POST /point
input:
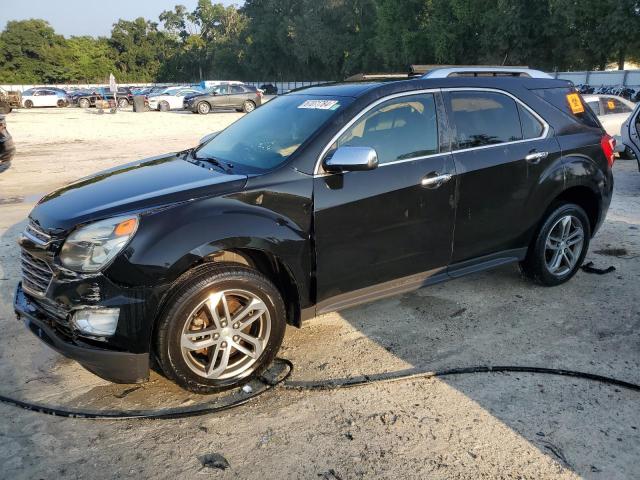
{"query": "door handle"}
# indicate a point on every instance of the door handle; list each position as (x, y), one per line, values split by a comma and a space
(536, 157)
(435, 180)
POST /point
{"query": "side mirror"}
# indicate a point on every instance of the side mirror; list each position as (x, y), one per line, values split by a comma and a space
(352, 159)
(206, 138)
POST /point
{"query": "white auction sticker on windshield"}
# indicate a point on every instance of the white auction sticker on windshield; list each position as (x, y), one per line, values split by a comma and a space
(320, 104)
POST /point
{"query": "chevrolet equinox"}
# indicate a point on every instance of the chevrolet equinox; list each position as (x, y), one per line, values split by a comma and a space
(327, 197)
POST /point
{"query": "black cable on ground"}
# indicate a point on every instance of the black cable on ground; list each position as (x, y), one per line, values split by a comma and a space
(310, 386)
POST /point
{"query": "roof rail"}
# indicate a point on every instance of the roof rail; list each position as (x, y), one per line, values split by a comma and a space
(484, 71)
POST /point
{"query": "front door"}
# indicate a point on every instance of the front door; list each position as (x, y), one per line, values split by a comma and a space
(392, 222)
(631, 133)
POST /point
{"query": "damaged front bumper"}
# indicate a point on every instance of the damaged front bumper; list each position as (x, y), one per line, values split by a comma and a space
(115, 366)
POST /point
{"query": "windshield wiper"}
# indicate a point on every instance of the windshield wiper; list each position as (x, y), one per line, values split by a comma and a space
(226, 167)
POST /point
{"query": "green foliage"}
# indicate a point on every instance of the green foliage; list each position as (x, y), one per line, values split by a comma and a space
(327, 39)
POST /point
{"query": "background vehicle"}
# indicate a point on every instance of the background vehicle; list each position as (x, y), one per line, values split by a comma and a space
(630, 136)
(611, 110)
(44, 97)
(87, 98)
(322, 199)
(269, 89)
(9, 100)
(172, 100)
(239, 97)
(7, 147)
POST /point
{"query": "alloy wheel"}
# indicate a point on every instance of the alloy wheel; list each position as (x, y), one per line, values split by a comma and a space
(564, 245)
(225, 335)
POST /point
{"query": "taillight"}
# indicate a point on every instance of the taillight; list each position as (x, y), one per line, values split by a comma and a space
(608, 144)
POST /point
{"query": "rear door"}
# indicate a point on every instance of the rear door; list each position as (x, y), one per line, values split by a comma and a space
(501, 148)
(238, 96)
(380, 225)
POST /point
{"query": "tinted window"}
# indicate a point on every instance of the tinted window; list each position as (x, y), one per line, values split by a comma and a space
(268, 136)
(237, 89)
(484, 118)
(558, 98)
(398, 129)
(531, 126)
(612, 105)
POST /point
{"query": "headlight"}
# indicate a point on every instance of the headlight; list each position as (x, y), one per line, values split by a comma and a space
(92, 247)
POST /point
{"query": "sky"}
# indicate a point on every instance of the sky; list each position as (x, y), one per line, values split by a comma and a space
(89, 17)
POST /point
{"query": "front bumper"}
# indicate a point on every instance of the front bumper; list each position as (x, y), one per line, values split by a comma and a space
(115, 366)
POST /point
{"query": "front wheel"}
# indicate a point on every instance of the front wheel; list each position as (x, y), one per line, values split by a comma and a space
(123, 103)
(220, 329)
(559, 248)
(28, 104)
(204, 108)
(84, 103)
(163, 106)
(61, 103)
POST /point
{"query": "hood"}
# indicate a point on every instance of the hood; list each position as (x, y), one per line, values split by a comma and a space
(138, 186)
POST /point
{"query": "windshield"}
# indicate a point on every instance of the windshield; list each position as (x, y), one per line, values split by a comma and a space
(265, 138)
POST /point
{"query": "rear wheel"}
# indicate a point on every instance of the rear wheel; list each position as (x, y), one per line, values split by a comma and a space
(221, 329)
(204, 108)
(28, 104)
(164, 106)
(123, 102)
(84, 103)
(559, 247)
(5, 108)
(248, 106)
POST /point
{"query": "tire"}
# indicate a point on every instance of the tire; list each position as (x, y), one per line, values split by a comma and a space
(61, 103)
(5, 108)
(123, 103)
(546, 264)
(203, 108)
(248, 106)
(177, 353)
(28, 104)
(164, 106)
(84, 103)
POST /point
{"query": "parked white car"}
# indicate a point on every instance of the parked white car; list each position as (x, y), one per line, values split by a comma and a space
(44, 98)
(171, 100)
(612, 111)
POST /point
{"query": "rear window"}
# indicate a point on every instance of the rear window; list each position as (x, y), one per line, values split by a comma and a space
(558, 98)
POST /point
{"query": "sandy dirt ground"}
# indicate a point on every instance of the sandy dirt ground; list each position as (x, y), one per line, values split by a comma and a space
(475, 426)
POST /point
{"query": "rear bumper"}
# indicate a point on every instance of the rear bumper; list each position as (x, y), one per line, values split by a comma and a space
(115, 366)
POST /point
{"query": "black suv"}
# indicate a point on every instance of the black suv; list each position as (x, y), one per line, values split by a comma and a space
(322, 199)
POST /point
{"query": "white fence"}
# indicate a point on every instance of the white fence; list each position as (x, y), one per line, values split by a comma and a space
(614, 78)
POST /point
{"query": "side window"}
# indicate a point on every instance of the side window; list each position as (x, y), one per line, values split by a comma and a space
(612, 105)
(398, 129)
(484, 118)
(237, 89)
(531, 126)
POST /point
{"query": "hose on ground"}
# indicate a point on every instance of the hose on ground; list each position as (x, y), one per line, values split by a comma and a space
(324, 385)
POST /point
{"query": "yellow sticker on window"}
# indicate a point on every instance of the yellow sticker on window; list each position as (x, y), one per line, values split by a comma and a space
(575, 104)
(611, 104)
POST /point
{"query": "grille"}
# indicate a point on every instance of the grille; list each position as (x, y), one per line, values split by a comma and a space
(37, 235)
(36, 274)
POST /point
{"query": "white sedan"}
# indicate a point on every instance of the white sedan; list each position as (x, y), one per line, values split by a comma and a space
(172, 101)
(611, 110)
(43, 98)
